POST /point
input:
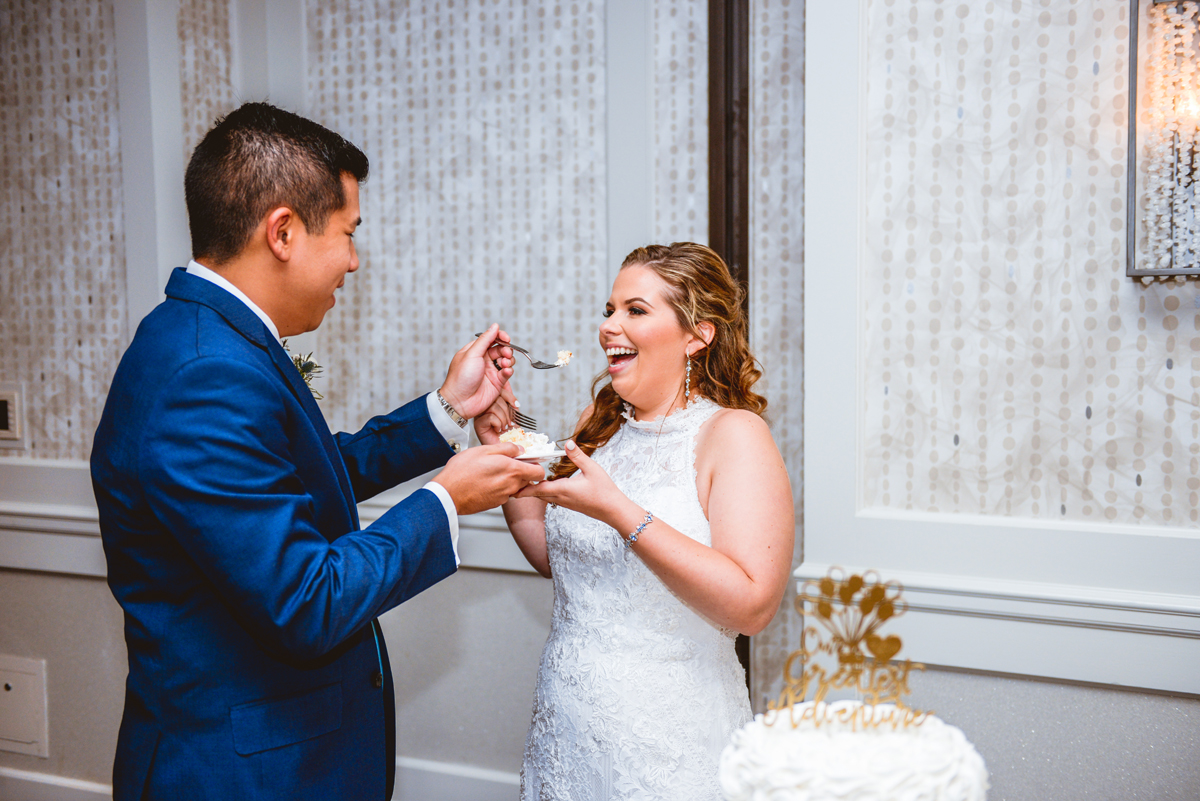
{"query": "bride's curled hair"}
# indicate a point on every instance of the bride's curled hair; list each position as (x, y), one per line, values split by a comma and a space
(701, 290)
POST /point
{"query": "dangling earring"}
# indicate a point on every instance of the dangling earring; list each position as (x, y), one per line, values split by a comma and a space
(687, 383)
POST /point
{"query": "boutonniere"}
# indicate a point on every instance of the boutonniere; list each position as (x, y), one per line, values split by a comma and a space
(308, 370)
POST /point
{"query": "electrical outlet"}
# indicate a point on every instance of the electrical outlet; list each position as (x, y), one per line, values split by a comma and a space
(24, 727)
(12, 416)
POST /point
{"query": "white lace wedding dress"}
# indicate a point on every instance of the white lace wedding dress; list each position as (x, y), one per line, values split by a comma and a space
(637, 694)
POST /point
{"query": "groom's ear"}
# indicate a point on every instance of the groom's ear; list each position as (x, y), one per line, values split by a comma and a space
(281, 224)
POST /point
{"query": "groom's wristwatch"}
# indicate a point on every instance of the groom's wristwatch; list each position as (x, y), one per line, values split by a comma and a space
(450, 410)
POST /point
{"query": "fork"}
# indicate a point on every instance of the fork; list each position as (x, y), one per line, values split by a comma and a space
(523, 420)
(537, 365)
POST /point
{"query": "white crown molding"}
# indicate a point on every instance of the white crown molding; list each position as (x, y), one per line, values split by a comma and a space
(48, 518)
(49, 522)
(484, 542)
(1135, 639)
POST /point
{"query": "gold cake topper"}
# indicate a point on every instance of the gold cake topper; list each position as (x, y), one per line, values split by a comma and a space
(851, 610)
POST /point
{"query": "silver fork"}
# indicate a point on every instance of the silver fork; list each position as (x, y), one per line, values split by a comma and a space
(537, 365)
(523, 420)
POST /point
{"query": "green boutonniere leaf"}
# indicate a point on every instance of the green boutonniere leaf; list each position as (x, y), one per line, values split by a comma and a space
(308, 370)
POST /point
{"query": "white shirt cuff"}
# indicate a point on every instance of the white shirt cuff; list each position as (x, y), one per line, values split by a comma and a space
(443, 495)
(458, 438)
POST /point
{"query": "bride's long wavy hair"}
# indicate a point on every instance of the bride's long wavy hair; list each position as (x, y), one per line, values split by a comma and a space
(701, 290)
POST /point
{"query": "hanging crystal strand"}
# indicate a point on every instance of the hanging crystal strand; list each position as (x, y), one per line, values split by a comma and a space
(1178, 86)
(1192, 255)
(1177, 65)
(1156, 212)
(1182, 18)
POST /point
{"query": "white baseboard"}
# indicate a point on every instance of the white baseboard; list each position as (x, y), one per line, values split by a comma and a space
(416, 780)
(24, 785)
(426, 780)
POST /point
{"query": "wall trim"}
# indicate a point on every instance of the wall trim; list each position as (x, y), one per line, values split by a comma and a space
(427, 780)
(1103, 603)
(49, 522)
(25, 785)
(416, 780)
(1147, 640)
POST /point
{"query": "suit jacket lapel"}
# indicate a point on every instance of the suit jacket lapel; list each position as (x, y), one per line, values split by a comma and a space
(239, 316)
(302, 392)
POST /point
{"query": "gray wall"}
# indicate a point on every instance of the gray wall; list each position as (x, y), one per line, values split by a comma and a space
(465, 656)
(75, 625)
(1047, 741)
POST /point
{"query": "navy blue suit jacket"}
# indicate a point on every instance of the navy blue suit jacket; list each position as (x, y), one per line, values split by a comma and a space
(227, 510)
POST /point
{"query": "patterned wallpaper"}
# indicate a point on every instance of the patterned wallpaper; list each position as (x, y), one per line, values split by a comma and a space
(485, 127)
(486, 201)
(486, 131)
(205, 68)
(680, 44)
(777, 277)
(1011, 368)
(62, 279)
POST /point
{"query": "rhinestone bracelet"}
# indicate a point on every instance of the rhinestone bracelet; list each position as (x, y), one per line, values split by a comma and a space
(641, 527)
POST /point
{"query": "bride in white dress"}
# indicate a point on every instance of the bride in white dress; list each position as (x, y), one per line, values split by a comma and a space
(672, 536)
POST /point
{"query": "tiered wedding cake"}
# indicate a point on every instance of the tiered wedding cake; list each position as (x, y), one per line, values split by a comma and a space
(880, 750)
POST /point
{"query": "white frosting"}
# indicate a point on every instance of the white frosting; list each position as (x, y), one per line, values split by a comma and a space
(564, 357)
(833, 762)
(535, 444)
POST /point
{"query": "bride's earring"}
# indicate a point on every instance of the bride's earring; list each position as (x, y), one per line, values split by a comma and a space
(687, 383)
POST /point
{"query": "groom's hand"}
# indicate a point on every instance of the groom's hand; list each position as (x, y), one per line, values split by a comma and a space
(479, 373)
(486, 476)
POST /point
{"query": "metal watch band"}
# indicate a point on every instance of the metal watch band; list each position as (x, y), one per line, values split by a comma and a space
(450, 410)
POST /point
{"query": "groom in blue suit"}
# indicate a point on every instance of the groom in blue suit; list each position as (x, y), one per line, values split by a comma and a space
(257, 669)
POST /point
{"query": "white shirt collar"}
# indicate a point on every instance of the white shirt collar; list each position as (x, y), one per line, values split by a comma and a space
(200, 271)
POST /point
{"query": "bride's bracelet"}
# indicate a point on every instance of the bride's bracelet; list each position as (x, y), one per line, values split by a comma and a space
(641, 527)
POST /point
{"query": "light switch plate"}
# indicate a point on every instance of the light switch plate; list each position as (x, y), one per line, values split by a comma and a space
(12, 415)
(24, 726)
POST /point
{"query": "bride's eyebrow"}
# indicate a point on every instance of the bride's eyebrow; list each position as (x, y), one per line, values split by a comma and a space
(639, 300)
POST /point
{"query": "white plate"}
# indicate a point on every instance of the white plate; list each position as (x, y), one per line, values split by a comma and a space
(545, 457)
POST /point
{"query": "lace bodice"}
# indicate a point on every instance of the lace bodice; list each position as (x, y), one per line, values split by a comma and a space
(637, 693)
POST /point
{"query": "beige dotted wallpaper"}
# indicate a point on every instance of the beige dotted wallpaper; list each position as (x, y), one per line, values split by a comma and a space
(205, 68)
(485, 127)
(680, 86)
(1010, 368)
(62, 277)
(486, 202)
(777, 277)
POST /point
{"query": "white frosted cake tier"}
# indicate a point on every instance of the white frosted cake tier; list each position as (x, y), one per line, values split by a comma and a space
(838, 760)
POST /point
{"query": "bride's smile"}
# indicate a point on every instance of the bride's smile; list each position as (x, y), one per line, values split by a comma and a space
(663, 530)
(645, 344)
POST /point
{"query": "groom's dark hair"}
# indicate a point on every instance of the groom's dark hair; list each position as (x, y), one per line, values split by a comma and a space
(258, 158)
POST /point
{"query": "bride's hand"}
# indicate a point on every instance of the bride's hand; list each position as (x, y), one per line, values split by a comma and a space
(589, 491)
(498, 418)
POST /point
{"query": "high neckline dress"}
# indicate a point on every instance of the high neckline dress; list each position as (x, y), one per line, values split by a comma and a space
(637, 693)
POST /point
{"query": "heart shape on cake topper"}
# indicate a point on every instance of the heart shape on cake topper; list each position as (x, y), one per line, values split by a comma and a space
(848, 609)
(883, 648)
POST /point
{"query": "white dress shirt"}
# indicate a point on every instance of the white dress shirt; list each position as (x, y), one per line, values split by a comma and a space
(457, 437)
